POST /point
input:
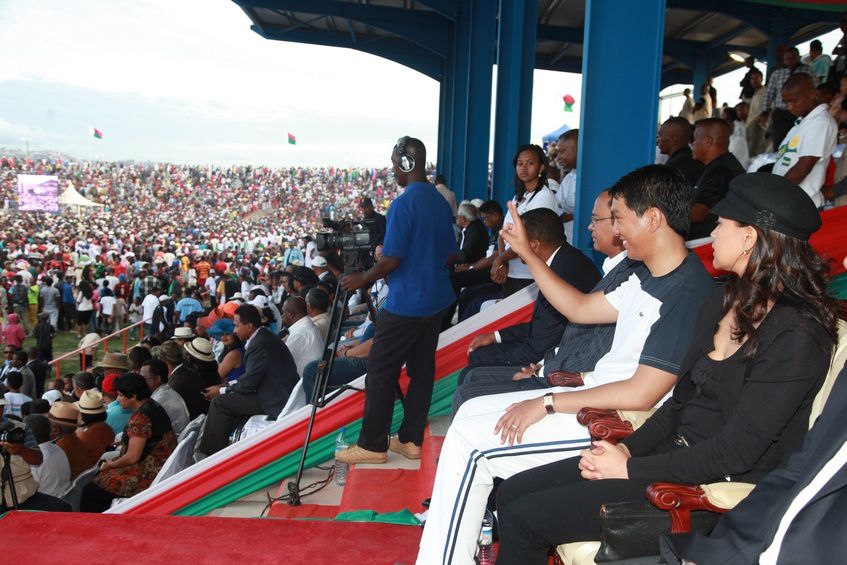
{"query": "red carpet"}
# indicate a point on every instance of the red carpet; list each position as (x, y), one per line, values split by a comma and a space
(96, 539)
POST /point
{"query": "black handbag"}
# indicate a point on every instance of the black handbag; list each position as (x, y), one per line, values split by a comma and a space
(632, 529)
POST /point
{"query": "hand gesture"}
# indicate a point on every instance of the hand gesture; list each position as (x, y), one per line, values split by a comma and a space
(515, 234)
(518, 417)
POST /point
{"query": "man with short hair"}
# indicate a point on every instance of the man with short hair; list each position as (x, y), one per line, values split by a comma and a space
(19, 299)
(819, 62)
(653, 313)
(804, 155)
(269, 377)
(317, 304)
(148, 308)
(711, 147)
(418, 243)
(304, 339)
(19, 363)
(50, 301)
(155, 373)
(674, 140)
(781, 118)
(188, 304)
(449, 195)
(366, 208)
(39, 368)
(566, 157)
(522, 344)
(473, 239)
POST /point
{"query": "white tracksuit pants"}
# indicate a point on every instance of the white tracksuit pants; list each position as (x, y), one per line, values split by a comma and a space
(472, 457)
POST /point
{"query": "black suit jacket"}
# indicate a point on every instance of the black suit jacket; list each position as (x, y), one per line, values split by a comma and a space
(475, 244)
(545, 328)
(270, 372)
(816, 534)
(684, 162)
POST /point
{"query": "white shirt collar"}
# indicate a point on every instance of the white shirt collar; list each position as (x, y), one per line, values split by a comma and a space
(819, 109)
(610, 263)
(553, 256)
(246, 345)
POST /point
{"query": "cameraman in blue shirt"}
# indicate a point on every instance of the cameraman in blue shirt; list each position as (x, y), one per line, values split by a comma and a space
(419, 240)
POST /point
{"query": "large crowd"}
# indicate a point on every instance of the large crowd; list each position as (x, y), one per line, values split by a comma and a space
(220, 269)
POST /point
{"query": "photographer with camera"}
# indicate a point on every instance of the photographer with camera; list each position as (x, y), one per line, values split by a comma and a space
(419, 240)
(366, 207)
(18, 450)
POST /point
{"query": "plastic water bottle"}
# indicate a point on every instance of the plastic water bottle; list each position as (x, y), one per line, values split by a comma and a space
(340, 466)
(485, 554)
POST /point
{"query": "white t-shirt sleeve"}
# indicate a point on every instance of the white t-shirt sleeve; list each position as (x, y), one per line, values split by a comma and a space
(623, 293)
(812, 144)
(544, 199)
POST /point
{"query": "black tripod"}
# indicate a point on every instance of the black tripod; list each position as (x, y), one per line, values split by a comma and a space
(353, 262)
(7, 479)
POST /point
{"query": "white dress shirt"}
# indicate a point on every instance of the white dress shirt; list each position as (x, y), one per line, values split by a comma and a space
(304, 342)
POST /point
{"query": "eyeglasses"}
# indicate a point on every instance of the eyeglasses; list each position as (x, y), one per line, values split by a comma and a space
(594, 220)
(9, 352)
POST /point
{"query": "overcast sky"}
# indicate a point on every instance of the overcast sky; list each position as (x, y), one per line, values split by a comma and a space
(187, 81)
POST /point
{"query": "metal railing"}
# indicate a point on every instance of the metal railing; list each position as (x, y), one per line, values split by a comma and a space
(57, 362)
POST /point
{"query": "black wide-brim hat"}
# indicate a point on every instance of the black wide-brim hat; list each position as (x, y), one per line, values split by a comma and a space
(770, 202)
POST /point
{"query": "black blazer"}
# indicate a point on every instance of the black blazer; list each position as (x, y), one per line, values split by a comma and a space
(270, 372)
(475, 244)
(816, 534)
(764, 403)
(544, 330)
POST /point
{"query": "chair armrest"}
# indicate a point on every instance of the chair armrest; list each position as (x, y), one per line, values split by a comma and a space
(604, 424)
(680, 500)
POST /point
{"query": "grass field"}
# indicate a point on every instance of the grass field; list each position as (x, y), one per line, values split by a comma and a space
(65, 342)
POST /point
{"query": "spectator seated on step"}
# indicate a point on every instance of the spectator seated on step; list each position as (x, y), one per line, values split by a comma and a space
(155, 373)
(53, 474)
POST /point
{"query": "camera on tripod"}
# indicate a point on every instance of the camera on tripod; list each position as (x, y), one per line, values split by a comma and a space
(10, 433)
(355, 240)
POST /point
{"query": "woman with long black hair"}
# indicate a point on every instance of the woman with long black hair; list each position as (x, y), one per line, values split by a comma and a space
(748, 381)
(531, 192)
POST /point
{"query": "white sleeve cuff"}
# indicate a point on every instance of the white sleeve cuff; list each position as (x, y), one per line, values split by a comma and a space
(223, 390)
(497, 337)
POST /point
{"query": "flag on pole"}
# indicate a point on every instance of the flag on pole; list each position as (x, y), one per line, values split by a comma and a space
(291, 139)
(569, 102)
(95, 132)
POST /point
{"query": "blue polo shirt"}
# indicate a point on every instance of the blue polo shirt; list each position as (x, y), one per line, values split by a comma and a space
(420, 234)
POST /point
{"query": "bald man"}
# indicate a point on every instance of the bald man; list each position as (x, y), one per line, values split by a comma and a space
(804, 153)
(673, 140)
(711, 147)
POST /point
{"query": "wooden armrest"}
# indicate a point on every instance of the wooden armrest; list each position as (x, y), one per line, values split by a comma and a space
(680, 500)
(587, 415)
(604, 424)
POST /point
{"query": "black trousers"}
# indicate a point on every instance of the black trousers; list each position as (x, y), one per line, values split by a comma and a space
(225, 411)
(553, 504)
(781, 123)
(95, 498)
(42, 503)
(472, 297)
(398, 340)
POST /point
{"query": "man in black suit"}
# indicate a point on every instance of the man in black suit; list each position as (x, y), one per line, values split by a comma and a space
(795, 514)
(673, 140)
(473, 241)
(526, 343)
(268, 380)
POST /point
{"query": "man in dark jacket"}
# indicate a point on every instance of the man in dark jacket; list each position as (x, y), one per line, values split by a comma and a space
(526, 343)
(673, 140)
(268, 380)
(473, 239)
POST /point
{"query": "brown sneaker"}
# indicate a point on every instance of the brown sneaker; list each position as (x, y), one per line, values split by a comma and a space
(408, 450)
(355, 454)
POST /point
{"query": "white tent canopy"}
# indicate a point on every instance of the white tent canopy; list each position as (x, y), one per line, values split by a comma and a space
(70, 198)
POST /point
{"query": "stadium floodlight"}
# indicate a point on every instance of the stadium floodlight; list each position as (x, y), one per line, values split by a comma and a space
(739, 56)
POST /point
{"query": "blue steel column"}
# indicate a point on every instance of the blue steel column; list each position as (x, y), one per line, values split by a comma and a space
(445, 116)
(778, 36)
(473, 62)
(702, 68)
(608, 84)
(515, 64)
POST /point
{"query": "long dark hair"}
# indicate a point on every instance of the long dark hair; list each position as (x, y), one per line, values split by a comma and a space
(520, 187)
(780, 267)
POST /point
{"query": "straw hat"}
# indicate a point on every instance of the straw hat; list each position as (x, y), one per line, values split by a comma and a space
(115, 361)
(63, 413)
(183, 333)
(200, 348)
(91, 402)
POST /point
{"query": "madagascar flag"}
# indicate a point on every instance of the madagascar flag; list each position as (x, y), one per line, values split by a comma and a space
(291, 139)
(96, 133)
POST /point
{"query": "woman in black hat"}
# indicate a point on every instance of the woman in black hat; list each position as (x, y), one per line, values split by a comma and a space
(748, 381)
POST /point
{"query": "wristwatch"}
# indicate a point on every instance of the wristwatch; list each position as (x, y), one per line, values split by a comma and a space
(547, 399)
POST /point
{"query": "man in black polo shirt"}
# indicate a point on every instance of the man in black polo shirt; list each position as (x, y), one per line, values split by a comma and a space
(711, 147)
(673, 140)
